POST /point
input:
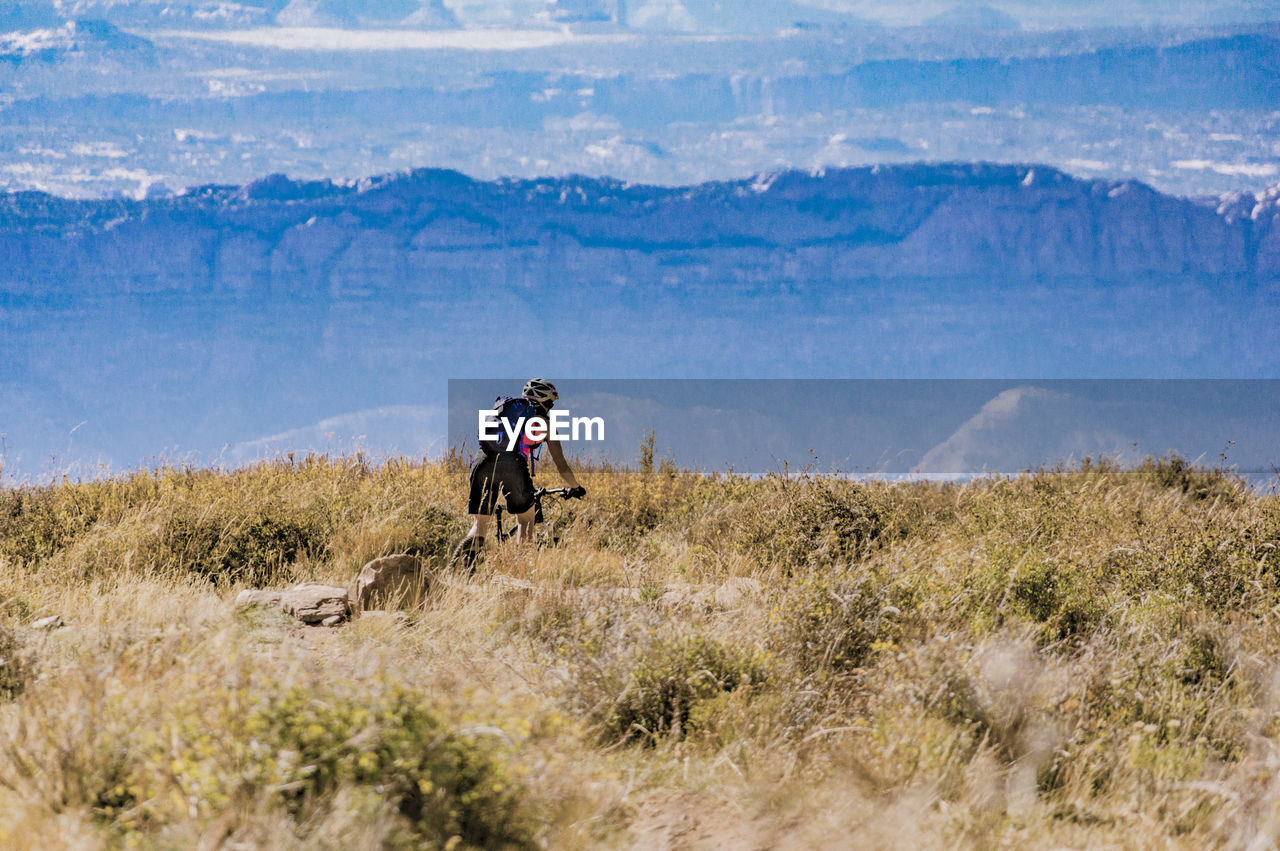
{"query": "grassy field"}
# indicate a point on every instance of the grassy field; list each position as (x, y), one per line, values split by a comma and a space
(1082, 657)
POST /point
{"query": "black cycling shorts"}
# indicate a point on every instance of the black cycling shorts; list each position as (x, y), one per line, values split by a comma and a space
(505, 473)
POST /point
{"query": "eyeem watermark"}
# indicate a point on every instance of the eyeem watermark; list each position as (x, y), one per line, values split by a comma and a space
(562, 425)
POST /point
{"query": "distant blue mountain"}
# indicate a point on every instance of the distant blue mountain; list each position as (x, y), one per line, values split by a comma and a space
(399, 232)
(1240, 71)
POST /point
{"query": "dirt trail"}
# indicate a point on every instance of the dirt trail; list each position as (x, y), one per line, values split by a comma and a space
(693, 822)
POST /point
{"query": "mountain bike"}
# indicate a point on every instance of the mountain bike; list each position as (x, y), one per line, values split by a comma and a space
(503, 533)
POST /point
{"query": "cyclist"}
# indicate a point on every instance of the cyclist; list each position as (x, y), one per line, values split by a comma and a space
(501, 470)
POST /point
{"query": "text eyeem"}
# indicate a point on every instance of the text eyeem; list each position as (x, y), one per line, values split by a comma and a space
(562, 426)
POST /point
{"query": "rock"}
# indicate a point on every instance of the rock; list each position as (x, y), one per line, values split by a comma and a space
(736, 591)
(731, 595)
(681, 596)
(309, 602)
(398, 581)
(312, 602)
(51, 622)
(253, 597)
(332, 620)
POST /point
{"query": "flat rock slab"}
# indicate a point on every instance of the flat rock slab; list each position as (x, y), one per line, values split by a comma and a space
(253, 597)
(312, 602)
(309, 602)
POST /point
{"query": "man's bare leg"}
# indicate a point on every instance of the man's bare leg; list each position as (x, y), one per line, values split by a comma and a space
(469, 550)
(479, 525)
(524, 531)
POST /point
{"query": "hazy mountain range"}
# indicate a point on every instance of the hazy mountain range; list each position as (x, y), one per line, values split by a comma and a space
(406, 234)
(234, 319)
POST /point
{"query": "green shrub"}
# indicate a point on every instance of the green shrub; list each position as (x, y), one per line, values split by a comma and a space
(1056, 596)
(1199, 483)
(808, 522)
(300, 748)
(253, 548)
(836, 621)
(430, 533)
(624, 508)
(207, 752)
(668, 680)
(37, 522)
(1204, 661)
(443, 782)
(17, 607)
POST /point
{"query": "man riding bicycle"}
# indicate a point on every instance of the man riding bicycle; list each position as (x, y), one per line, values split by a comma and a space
(506, 467)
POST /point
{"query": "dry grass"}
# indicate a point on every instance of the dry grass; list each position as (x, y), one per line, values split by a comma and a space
(1075, 657)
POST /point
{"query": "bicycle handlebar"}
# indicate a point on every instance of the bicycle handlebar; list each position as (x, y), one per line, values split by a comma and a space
(560, 492)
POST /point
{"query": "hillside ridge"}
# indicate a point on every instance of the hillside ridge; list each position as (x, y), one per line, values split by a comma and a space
(384, 233)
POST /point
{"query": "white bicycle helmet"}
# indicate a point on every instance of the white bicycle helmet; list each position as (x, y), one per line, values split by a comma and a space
(540, 391)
